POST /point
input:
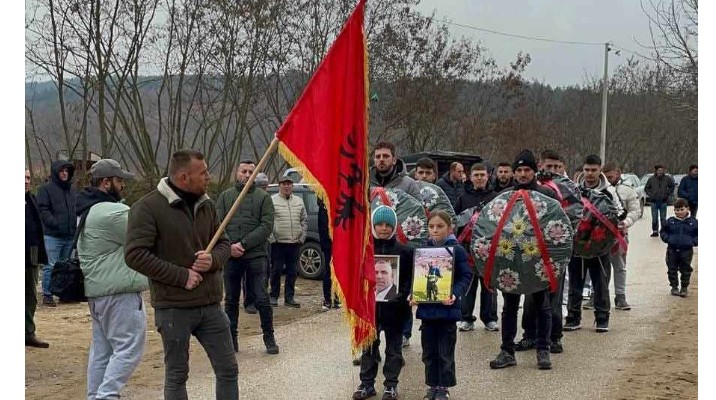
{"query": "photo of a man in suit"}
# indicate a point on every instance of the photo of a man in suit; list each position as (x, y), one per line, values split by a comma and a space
(385, 289)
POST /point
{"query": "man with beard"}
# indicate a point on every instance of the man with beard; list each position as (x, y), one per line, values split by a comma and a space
(598, 267)
(477, 195)
(452, 182)
(525, 167)
(167, 235)
(56, 202)
(35, 256)
(248, 231)
(550, 162)
(630, 202)
(114, 291)
(389, 171)
(505, 178)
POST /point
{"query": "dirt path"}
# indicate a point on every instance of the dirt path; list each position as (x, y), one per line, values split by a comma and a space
(668, 367)
(60, 371)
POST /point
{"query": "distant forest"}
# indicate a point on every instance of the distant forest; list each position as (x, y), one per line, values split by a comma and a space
(229, 72)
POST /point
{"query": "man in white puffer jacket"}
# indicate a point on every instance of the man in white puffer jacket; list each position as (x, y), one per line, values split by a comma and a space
(630, 201)
(290, 226)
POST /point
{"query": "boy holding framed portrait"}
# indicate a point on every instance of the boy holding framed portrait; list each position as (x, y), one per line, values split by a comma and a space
(393, 271)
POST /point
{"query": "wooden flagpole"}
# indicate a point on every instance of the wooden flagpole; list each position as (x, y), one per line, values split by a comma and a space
(272, 147)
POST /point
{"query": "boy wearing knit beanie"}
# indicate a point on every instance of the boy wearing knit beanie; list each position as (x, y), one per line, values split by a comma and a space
(389, 315)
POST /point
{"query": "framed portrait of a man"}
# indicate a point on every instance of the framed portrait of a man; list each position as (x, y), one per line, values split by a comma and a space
(386, 277)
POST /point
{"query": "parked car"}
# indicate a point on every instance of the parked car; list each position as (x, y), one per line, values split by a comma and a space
(310, 260)
(646, 177)
(633, 181)
(677, 181)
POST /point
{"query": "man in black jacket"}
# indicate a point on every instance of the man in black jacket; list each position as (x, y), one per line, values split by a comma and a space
(451, 182)
(248, 230)
(659, 187)
(35, 255)
(56, 203)
(477, 195)
(525, 167)
(505, 178)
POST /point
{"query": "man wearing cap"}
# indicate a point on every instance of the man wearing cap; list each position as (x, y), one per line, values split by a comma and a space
(525, 167)
(289, 232)
(114, 291)
(248, 231)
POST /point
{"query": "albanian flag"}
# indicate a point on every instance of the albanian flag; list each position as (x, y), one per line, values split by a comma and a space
(325, 137)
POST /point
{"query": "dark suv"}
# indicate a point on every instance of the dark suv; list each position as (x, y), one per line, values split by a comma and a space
(310, 261)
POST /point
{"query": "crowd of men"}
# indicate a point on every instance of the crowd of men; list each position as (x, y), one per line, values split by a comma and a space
(160, 242)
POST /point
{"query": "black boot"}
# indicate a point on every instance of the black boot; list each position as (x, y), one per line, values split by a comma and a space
(683, 292)
(270, 342)
(543, 361)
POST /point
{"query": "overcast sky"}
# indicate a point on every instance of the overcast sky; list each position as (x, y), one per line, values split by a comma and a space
(617, 21)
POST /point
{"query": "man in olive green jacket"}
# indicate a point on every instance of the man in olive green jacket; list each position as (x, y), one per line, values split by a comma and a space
(114, 291)
(248, 230)
(168, 232)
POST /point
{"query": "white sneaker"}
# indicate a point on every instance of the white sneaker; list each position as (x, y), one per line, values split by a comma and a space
(466, 326)
(492, 326)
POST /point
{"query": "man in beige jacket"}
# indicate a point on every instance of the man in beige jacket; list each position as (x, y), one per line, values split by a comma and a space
(289, 233)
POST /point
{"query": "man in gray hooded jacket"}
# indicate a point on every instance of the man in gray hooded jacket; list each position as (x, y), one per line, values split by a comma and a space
(390, 172)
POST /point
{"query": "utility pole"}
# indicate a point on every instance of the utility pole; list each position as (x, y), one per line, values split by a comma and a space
(605, 89)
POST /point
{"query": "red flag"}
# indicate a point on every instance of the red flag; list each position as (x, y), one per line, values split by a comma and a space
(325, 136)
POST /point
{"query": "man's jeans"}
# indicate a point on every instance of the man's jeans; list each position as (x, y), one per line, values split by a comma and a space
(119, 326)
(488, 302)
(327, 284)
(618, 261)
(530, 318)
(284, 255)
(210, 325)
(254, 270)
(58, 249)
(598, 268)
(541, 302)
(658, 214)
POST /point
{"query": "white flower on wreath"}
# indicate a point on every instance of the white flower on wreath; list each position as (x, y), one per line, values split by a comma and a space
(556, 232)
(481, 248)
(542, 273)
(428, 196)
(412, 227)
(508, 280)
(495, 211)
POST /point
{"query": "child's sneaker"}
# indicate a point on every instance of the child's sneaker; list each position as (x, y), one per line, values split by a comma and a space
(683, 292)
(364, 392)
(430, 395)
(674, 291)
(390, 393)
(442, 393)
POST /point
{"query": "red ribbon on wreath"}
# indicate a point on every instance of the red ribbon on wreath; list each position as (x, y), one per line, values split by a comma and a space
(607, 223)
(489, 264)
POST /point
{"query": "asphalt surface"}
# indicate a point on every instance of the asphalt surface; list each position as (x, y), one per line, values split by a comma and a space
(315, 359)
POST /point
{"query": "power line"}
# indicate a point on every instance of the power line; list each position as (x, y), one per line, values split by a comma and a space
(630, 51)
(543, 39)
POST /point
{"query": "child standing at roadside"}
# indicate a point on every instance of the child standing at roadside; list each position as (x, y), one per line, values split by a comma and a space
(389, 315)
(439, 321)
(681, 233)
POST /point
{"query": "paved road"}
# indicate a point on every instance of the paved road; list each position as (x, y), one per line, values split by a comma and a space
(315, 361)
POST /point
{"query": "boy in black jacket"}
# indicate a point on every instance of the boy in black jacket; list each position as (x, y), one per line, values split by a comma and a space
(390, 315)
(681, 233)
